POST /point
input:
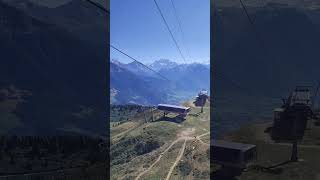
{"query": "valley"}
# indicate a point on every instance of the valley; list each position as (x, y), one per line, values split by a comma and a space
(43, 84)
(135, 84)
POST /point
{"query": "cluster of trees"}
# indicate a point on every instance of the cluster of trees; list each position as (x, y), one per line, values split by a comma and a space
(129, 107)
(41, 147)
(123, 113)
(119, 122)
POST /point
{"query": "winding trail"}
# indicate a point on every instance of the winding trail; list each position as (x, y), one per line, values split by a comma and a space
(181, 152)
(127, 131)
(203, 142)
(203, 134)
(199, 138)
(124, 132)
(158, 159)
(180, 155)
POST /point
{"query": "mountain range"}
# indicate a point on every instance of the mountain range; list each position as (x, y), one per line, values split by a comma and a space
(52, 80)
(301, 4)
(282, 54)
(136, 83)
(78, 17)
(258, 63)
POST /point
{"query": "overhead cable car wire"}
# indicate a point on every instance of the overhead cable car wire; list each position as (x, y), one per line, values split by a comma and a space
(180, 28)
(223, 76)
(98, 6)
(171, 34)
(253, 26)
(255, 30)
(117, 49)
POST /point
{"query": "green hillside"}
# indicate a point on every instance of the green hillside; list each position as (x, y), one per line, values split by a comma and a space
(271, 154)
(150, 146)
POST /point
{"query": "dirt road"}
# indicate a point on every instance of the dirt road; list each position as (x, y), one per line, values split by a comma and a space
(177, 160)
(185, 137)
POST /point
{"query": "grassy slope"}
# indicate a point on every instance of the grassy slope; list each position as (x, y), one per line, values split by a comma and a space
(308, 4)
(164, 132)
(195, 163)
(10, 99)
(270, 153)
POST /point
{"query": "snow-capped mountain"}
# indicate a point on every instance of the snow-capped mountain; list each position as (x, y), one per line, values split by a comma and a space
(61, 71)
(118, 63)
(132, 88)
(189, 77)
(163, 64)
(139, 69)
(137, 83)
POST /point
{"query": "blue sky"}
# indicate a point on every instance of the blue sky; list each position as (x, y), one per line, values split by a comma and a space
(137, 29)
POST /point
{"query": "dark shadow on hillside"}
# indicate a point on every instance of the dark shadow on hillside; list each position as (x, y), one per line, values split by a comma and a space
(219, 177)
(279, 164)
(275, 169)
(231, 174)
(195, 114)
(317, 123)
(176, 119)
(223, 174)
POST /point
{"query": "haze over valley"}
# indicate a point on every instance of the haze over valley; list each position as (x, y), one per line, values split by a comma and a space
(133, 83)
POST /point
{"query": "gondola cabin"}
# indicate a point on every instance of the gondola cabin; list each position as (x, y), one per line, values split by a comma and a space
(201, 98)
(291, 119)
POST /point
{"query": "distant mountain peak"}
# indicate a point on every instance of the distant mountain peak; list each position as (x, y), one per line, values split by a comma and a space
(165, 61)
(135, 63)
(163, 64)
(116, 66)
(40, 3)
(50, 3)
(116, 61)
(139, 69)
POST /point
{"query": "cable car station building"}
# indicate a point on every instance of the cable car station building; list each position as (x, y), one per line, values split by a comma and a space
(233, 155)
(168, 108)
